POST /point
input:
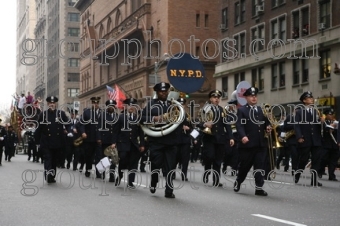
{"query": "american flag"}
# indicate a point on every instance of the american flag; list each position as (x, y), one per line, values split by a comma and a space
(111, 93)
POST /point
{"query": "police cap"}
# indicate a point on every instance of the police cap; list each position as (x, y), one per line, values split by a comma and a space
(162, 86)
(329, 111)
(110, 102)
(52, 99)
(305, 95)
(95, 99)
(215, 93)
(252, 91)
(130, 101)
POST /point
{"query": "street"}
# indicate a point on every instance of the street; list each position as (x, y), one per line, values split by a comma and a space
(76, 200)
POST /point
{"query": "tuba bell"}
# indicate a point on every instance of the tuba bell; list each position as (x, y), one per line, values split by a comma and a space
(77, 142)
(174, 118)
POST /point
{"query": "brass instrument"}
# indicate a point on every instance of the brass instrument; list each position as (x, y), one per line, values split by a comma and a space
(287, 135)
(268, 114)
(77, 142)
(208, 116)
(113, 153)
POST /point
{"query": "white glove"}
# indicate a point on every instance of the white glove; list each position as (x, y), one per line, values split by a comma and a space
(70, 135)
(38, 145)
(1, 138)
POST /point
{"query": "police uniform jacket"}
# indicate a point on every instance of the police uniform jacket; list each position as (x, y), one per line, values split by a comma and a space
(10, 139)
(127, 138)
(249, 124)
(184, 135)
(108, 130)
(148, 113)
(288, 125)
(307, 127)
(328, 141)
(50, 131)
(89, 123)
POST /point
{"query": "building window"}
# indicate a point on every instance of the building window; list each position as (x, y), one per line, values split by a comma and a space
(243, 11)
(274, 76)
(135, 4)
(225, 18)
(325, 13)
(278, 27)
(305, 21)
(197, 20)
(237, 13)
(305, 72)
(296, 71)
(238, 78)
(73, 17)
(325, 64)
(300, 22)
(206, 20)
(73, 32)
(73, 47)
(276, 3)
(72, 92)
(73, 62)
(240, 44)
(296, 25)
(282, 73)
(257, 78)
(73, 77)
(71, 2)
(225, 87)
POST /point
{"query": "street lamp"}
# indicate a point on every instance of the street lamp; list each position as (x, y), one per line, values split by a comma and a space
(158, 65)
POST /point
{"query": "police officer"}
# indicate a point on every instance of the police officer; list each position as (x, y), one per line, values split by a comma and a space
(88, 126)
(107, 134)
(31, 146)
(330, 153)
(163, 149)
(11, 141)
(308, 135)
(215, 141)
(231, 155)
(252, 143)
(2, 142)
(184, 142)
(130, 141)
(50, 136)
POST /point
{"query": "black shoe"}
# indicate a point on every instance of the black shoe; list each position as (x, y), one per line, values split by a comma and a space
(261, 193)
(75, 169)
(218, 185)
(333, 179)
(9, 160)
(50, 179)
(320, 175)
(87, 174)
(314, 185)
(68, 165)
(237, 186)
(152, 189)
(29, 158)
(131, 186)
(169, 195)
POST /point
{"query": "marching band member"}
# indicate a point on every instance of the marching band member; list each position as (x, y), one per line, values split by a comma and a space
(251, 127)
(50, 136)
(107, 135)
(130, 141)
(184, 141)
(290, 141)
(88, 130)
(330, 153)
(215, 141)
(308, 135)
(163, 150)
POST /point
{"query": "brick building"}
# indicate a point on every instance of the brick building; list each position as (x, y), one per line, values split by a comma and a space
(157, 27)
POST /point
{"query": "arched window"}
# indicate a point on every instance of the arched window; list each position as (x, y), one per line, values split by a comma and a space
(109, 24)
(101, 31)
(118, 18)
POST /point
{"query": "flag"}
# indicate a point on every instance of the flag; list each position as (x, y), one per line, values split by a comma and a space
(111, 93)
(120, 97)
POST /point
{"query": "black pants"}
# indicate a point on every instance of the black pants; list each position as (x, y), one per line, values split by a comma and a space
(183, 157)
(251, 157)
(9, 152)
(89, 150)
(231, 157)
(128, 160)
(50, 161)
(143, 159)
(1, 151)
(212, 155)
(314, 153)
(32, 148)
(161, 155)
(329, 158)
(284, 152)
(79, 157)
(295, 156)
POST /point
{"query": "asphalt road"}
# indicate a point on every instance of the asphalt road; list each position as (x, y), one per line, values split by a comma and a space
(75, 200)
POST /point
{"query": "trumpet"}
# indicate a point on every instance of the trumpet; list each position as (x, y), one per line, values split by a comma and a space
(77, 142)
